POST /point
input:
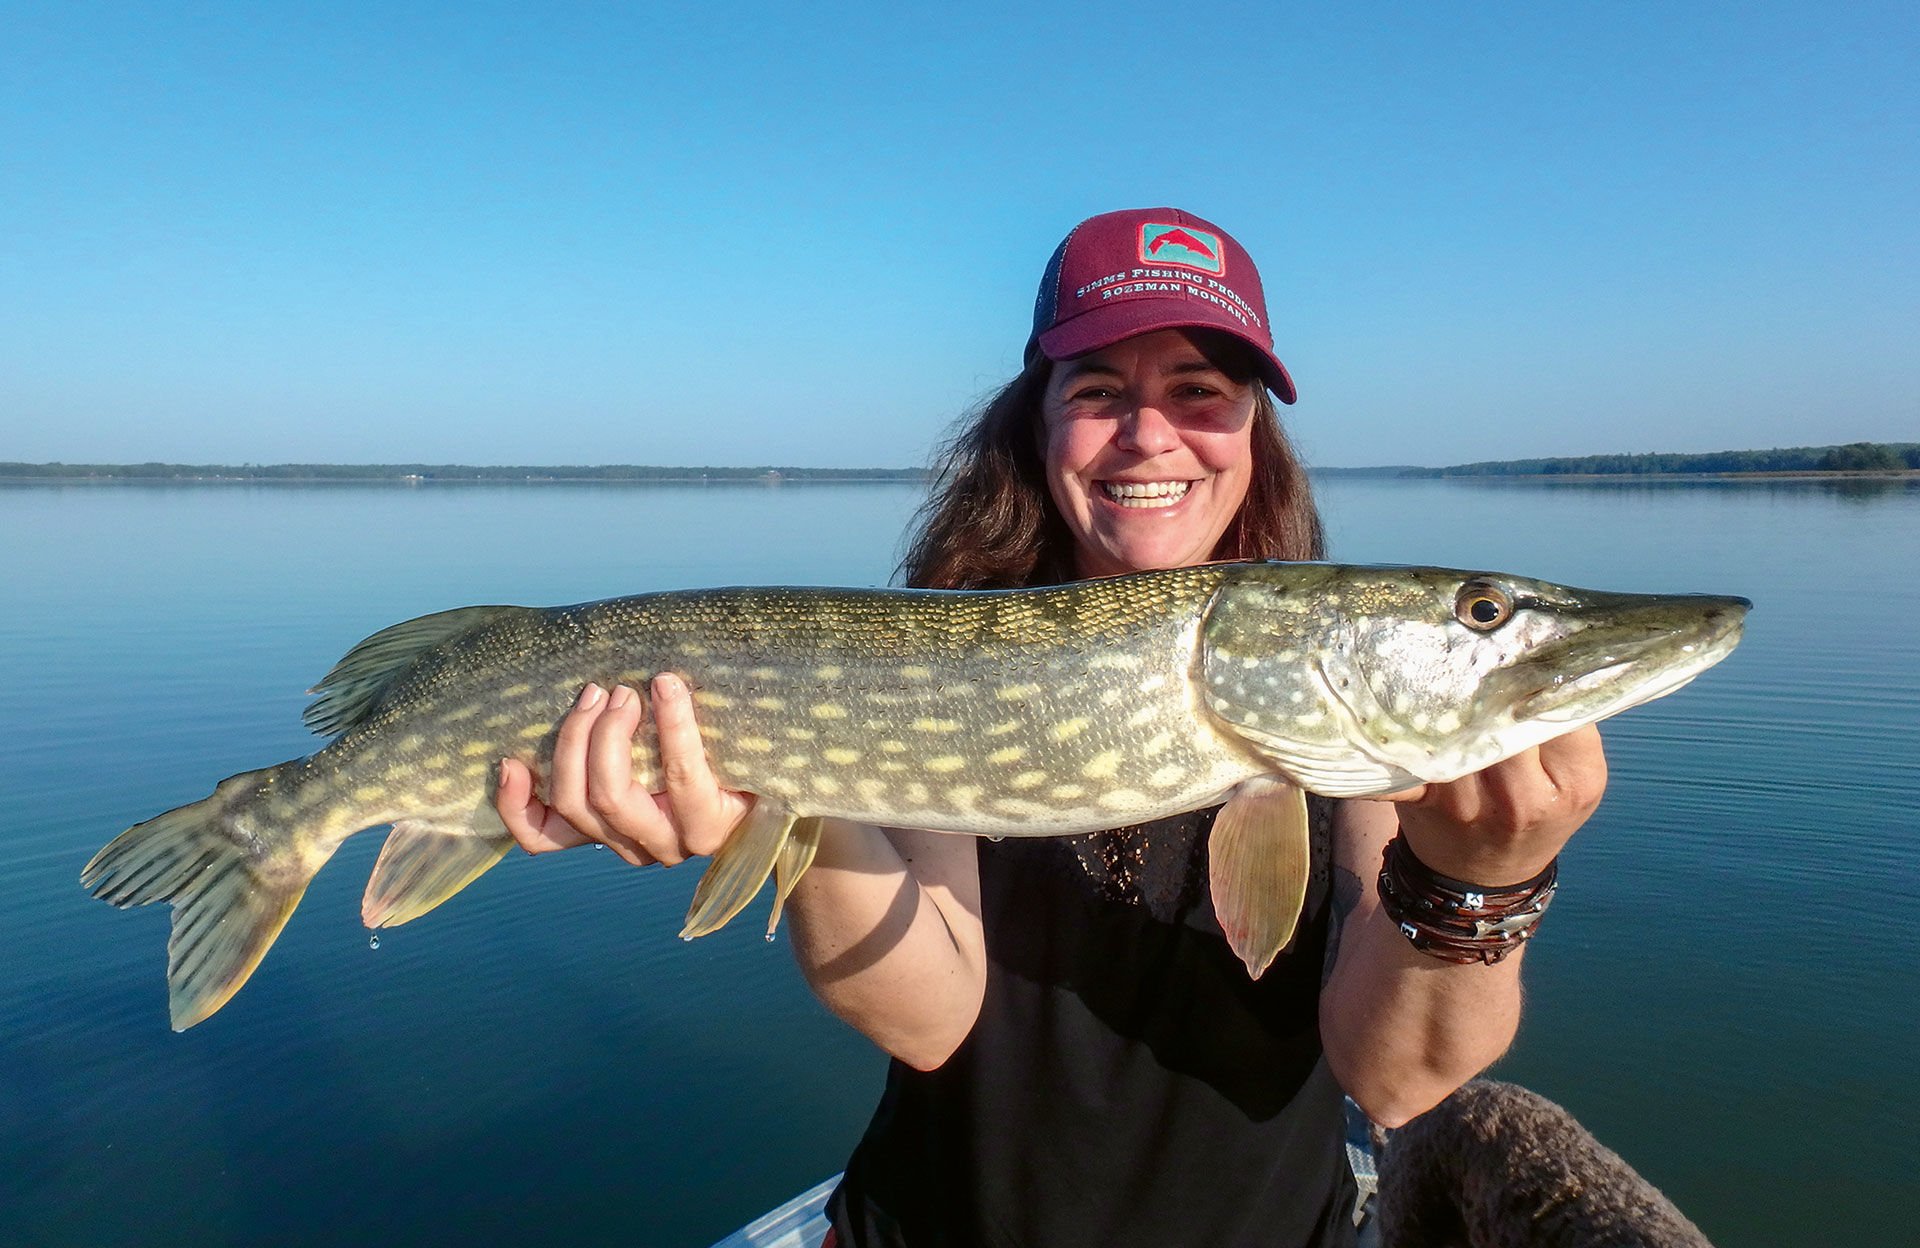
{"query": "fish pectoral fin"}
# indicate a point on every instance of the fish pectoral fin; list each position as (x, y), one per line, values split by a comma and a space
(422, 864)
(740, 868)
(796, 855)
(1258, 859)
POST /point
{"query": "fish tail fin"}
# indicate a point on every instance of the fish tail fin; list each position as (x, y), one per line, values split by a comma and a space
(231, 889)
(741, 867)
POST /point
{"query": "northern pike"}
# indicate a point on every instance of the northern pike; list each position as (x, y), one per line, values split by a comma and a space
(1036, 712)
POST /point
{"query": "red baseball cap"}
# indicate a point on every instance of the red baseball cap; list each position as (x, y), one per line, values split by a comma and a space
(1142, 269)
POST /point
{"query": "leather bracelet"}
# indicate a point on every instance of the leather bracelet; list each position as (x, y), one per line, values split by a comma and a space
(1456, 921)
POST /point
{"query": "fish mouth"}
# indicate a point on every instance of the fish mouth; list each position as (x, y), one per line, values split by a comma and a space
(1145, 495)
(1608, 669)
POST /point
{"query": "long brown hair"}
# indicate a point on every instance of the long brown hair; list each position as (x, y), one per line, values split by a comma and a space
(989, 521)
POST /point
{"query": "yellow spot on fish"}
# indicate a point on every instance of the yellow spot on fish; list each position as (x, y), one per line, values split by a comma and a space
(465, 712)
(473, 771)
(711, 733)
(829, 672)
(799, 734)
(869, 789)
(1447, 721)
(827, 710)
(917, 794)
(473, 749)
(496, 721)
(1028, 780)
(533, 732)
(1123, 799)
(1153, 683)
(707, 697)
(936, 725)
(1115, 660)
(1002, 729)
(369, 793)
(890, 765)
(1102, 766)
(964, 794)
(436, 786)
(914, 671)
(758, 745)
(770, 704)
(794, 762)
(1167, 776)
(692, 649)
(1158, 744)
(840, 756)
(437, 762)
(1011, 754)
(1144, 716)
(765, 673)
(411, 742)
(1068, 729)
(946, 762)
(1066, 792)
(826, 786)
(893, 747)
(1016, 693)
(516, 691)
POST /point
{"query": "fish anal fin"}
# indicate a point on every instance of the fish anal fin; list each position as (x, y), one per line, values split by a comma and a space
(1258, 860)
(349, 692)
(740, 868)
(422, 864)
(796, 855)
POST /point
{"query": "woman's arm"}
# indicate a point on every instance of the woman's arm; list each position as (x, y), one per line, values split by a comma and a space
(1403, 1029)
(885, 925)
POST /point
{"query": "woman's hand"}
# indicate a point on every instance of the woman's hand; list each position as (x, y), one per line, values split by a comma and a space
(1505, 824)
(591, 794)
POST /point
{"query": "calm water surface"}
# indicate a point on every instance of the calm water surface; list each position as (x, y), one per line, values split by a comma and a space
(1723, 991)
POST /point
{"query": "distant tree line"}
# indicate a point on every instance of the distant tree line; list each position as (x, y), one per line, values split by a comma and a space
(443, 472)
(1852, 457)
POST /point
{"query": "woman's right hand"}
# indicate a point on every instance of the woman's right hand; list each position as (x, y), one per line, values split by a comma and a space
(591, 793)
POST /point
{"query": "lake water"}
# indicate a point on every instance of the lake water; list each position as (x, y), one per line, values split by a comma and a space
(1724, 991)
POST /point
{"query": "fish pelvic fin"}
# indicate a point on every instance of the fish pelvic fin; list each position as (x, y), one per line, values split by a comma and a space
(423, 863)
(231, 889)
(796, 855)
(1258, 859)
(741, 867)
(350, 692)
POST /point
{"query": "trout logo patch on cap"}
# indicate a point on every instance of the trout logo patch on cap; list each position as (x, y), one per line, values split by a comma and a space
(1182, 245)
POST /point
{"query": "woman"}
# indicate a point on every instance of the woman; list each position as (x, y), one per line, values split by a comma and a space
(1079, 1057)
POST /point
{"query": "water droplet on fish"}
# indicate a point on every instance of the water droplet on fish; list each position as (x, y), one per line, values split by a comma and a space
(769, 937)
(996, 839)
(373, 941)
(686, 940)
(597, 845)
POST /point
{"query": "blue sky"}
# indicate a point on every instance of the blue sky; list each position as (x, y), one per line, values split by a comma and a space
(735, 233)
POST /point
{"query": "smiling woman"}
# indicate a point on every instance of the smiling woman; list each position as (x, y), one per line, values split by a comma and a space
(1080, 1056)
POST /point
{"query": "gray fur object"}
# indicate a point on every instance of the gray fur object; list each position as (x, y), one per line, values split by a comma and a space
(1497, 1166)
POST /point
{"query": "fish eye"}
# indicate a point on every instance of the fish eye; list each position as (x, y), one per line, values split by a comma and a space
(1482, 606)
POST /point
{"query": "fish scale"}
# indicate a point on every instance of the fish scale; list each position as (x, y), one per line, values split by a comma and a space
(1035, 712)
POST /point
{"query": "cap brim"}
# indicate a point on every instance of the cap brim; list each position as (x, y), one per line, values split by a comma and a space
(1110, 323)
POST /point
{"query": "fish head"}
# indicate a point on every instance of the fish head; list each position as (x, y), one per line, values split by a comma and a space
(1359, 681)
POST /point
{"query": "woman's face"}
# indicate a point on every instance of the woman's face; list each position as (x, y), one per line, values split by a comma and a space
(1149, 451)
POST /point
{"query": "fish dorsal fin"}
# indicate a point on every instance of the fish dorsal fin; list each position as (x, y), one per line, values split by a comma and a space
(1258, 858)
(355, 685)
(422, 864)
(740, 868)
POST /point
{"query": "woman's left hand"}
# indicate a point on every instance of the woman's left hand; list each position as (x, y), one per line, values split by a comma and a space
(1505, 824)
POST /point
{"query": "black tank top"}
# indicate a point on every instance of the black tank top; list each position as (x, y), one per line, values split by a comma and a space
(1126, 1083)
